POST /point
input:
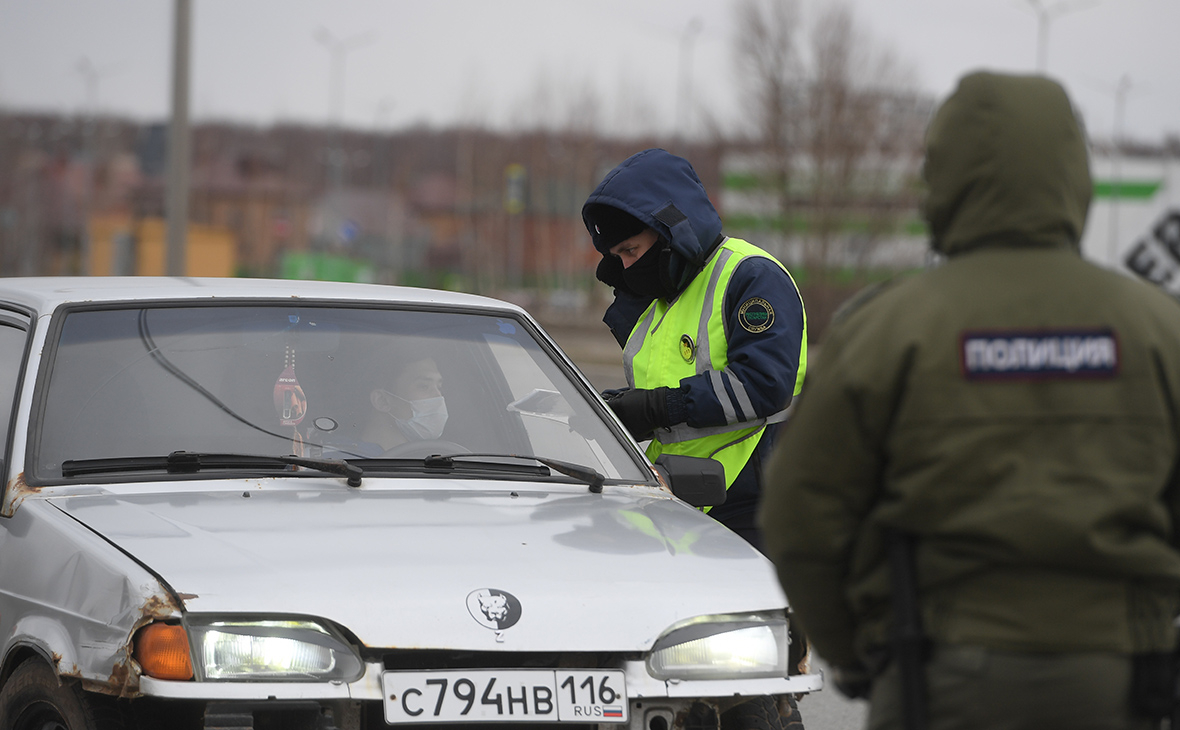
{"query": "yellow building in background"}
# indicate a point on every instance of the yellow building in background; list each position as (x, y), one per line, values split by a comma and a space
(126, 246)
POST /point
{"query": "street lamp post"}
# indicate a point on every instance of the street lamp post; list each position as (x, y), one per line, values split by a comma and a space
(1045, 16)
(91, 77)
(1120, 101)
(339, 49)
(684, 90)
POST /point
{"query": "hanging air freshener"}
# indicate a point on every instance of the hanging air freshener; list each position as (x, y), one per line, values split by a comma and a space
(290, 401)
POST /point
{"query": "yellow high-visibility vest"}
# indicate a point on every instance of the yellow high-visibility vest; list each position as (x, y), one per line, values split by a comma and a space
(687, 337)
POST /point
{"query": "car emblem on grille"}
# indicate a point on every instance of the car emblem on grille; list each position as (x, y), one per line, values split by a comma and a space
(493, 609)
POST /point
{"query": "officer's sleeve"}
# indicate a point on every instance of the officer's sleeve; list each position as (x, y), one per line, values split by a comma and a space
(822, 480)
(764, 324)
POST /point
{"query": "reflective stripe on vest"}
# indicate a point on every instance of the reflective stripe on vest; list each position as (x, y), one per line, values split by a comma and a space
(699, 309)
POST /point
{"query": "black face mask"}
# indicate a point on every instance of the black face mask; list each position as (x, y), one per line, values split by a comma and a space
(644, 276)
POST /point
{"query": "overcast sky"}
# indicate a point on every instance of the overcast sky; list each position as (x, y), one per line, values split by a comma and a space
(503, 61)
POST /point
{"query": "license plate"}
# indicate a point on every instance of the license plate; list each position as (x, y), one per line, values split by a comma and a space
(495, 695)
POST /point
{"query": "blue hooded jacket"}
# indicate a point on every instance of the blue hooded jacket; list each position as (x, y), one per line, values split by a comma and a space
(663, 192)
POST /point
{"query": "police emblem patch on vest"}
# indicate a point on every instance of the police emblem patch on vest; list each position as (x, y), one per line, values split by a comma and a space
(756, 315)
(1039, 354)
(688, 349)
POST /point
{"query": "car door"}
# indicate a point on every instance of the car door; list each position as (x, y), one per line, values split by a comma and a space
(14, 335)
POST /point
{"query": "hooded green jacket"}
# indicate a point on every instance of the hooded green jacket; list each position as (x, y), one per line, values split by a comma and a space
(1017, 409)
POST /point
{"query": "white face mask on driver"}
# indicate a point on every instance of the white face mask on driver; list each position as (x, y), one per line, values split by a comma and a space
(428, 421)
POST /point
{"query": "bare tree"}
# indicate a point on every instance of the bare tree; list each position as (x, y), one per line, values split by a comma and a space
(839, 136)
(768, 61)
(854, 115)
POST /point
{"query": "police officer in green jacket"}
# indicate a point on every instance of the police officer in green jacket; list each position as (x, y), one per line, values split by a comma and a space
(1015, 412)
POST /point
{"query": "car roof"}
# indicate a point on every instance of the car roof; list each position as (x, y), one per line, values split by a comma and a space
(43, 294)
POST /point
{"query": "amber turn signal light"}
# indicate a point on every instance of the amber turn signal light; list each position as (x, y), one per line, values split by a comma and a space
(162, 651)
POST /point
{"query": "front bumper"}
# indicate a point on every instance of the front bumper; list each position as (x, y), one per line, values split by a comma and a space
(640, 685)
(654, 704)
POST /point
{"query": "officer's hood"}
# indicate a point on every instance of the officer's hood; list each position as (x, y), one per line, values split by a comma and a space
(665, 194)
(1006, 164)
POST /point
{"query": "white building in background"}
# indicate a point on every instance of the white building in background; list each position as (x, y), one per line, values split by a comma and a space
(1134, 222)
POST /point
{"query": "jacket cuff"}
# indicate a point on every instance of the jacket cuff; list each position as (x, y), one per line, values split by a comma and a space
(677, 409)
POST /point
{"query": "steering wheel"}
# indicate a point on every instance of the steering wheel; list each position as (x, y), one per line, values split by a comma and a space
(425, 448)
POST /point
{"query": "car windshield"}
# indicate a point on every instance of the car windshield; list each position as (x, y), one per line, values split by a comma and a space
(341, 382)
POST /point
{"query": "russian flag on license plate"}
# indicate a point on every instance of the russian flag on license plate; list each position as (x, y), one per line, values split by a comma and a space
(612, 711)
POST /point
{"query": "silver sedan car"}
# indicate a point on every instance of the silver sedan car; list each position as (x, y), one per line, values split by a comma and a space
(274, 504)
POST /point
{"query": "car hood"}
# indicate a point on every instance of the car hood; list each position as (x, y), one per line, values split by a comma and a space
(405, 563)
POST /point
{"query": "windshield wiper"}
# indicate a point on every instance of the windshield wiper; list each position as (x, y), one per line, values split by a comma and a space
(188, 462)
(576, 471)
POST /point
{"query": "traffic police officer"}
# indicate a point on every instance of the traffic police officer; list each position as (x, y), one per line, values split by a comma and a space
(1015, 412)
(713, 328)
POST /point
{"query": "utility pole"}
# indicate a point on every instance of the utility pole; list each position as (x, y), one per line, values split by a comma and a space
(179, 149)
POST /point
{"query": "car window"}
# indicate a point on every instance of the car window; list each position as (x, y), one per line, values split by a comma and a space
(12, 353)
(546, 413)
(310, 381)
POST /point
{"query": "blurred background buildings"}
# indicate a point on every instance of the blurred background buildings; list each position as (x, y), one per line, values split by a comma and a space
(823, 172)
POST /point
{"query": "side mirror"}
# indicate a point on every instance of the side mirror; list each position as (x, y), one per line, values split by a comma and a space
(696, 480)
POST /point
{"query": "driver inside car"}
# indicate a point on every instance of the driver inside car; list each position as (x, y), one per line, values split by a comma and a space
(402, 406)
(408, 405)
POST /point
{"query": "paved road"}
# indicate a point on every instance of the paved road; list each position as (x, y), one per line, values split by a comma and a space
(830, 710)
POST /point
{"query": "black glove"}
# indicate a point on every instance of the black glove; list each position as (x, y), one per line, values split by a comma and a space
(852, 682)
(641, 411)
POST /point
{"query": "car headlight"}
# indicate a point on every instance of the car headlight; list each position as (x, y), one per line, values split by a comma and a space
(270, 651)
(722, 647)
